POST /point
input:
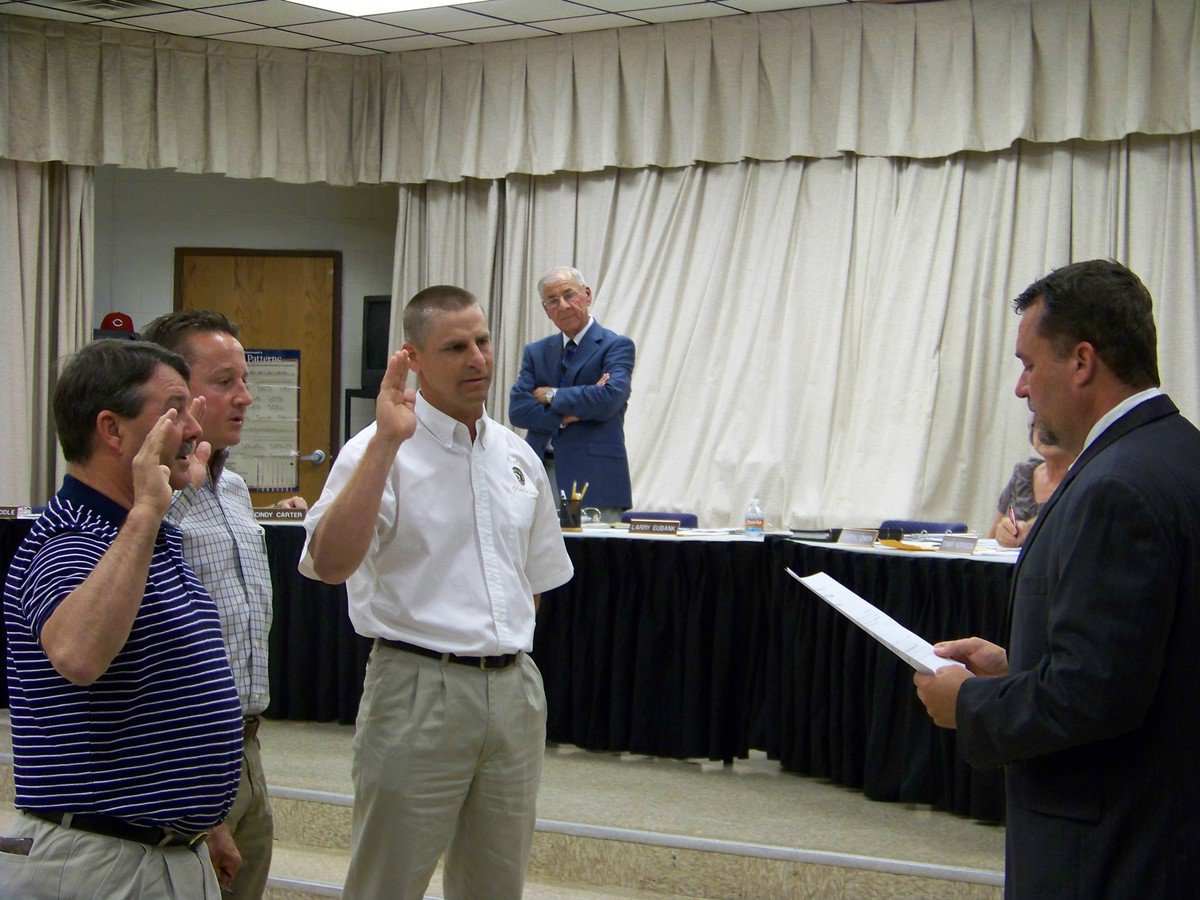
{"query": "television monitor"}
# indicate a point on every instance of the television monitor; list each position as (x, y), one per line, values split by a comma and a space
(377, 325)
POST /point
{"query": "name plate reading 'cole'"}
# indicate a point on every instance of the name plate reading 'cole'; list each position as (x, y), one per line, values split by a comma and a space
(17, 512)
(958, 543)
(861, 537)
(654, 526)
(280, 515)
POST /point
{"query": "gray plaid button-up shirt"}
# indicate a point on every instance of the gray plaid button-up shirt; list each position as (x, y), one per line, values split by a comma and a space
(226, 547)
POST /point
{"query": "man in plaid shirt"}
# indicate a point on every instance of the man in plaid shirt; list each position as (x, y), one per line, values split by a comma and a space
(224, 543)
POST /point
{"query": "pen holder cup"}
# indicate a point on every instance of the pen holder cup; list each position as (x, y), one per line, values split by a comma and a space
(569, 514)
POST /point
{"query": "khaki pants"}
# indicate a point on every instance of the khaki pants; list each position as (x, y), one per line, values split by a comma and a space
(446, 758)
(252, 825)
(72, 865)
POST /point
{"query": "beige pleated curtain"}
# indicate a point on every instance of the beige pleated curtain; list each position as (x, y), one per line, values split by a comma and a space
(46, 281)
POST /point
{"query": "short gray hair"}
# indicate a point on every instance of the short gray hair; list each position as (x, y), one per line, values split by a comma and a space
(575, 274)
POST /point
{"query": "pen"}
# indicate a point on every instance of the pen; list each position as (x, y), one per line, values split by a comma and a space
(574, 490)
(584, 491)
(563, 494)
(1012, 517)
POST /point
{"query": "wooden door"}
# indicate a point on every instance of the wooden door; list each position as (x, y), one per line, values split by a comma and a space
(282, 300)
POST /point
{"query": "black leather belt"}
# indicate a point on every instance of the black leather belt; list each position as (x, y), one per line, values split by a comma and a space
(479, 662)
(111, 826)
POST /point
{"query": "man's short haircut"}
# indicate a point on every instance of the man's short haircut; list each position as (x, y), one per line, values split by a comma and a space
(1105, 304)
(173, 330)
(105, 374)
(433, 301)
(575, 274)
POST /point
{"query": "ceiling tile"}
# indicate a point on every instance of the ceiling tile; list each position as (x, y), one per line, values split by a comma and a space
(123, 11)
(433, 21)
(529, 10)
(587, 23)
(775, 5)
(625, 5)
(201, 4)
(418, 42)
(274, 37)
(684, 13)
(499, 33)
(349, 49)
(275, 12)
(352, 31)
(194, 24)
(42, 12)
(123, 24)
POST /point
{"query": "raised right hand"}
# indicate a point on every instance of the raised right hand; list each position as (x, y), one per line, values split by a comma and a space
(151, 478)
(981, 657)
(395, 416)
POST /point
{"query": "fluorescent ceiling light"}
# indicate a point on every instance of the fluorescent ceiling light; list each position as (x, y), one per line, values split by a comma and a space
(375, 7)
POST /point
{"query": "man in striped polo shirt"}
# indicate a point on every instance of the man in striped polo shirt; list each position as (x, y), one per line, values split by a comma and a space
(126, 721)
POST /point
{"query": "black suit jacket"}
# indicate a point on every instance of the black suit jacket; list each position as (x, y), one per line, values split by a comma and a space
(1098, 722)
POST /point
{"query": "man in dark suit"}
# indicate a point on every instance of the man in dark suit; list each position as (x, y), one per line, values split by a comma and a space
(1095, 709)
(572, 394)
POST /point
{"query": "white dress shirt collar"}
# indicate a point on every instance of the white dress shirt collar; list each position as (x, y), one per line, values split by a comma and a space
(1115, 413)
(579, 337)
(445, 428)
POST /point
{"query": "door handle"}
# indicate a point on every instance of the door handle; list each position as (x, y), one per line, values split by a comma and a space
(317, 457)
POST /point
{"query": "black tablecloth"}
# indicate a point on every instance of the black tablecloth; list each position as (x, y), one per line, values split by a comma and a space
(654, 647)
(316, 659)
(838, 705)
(698, 649)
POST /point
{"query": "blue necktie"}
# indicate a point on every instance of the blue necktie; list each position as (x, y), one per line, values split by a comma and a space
(568, 352)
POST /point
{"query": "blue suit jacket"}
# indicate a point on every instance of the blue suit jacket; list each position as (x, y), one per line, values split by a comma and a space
(1099, 719)
(591, 451)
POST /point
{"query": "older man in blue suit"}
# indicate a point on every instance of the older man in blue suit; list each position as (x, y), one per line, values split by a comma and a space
(572, 394)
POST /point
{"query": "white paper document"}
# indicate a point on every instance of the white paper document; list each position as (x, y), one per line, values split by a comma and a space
(911, 648)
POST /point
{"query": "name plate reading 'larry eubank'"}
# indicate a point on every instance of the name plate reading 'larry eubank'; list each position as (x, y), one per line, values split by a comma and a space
(280, 515)
(653, 526)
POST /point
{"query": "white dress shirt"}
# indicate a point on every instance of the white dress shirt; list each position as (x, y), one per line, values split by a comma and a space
(467, 533)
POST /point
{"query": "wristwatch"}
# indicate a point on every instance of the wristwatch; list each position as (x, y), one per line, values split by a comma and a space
(550, 392)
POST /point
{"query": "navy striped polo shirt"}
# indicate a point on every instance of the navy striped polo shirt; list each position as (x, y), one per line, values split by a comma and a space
(157, 739)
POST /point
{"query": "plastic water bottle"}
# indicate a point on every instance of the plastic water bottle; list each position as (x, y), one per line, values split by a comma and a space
(754, 517)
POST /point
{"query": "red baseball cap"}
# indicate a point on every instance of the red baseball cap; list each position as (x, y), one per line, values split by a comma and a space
(117, 321)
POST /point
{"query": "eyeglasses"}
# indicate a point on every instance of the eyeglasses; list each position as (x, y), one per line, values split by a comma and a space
(567, 298)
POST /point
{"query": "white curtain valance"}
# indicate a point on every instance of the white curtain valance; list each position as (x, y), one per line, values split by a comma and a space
(920, 81)
(89, 95)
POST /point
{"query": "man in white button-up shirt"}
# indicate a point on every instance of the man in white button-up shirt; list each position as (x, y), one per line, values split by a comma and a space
(442, 524)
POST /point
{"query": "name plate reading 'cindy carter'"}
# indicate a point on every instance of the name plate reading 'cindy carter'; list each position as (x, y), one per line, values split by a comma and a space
(280, 515)
(958, 543)
(654, 526)
(861, 537)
